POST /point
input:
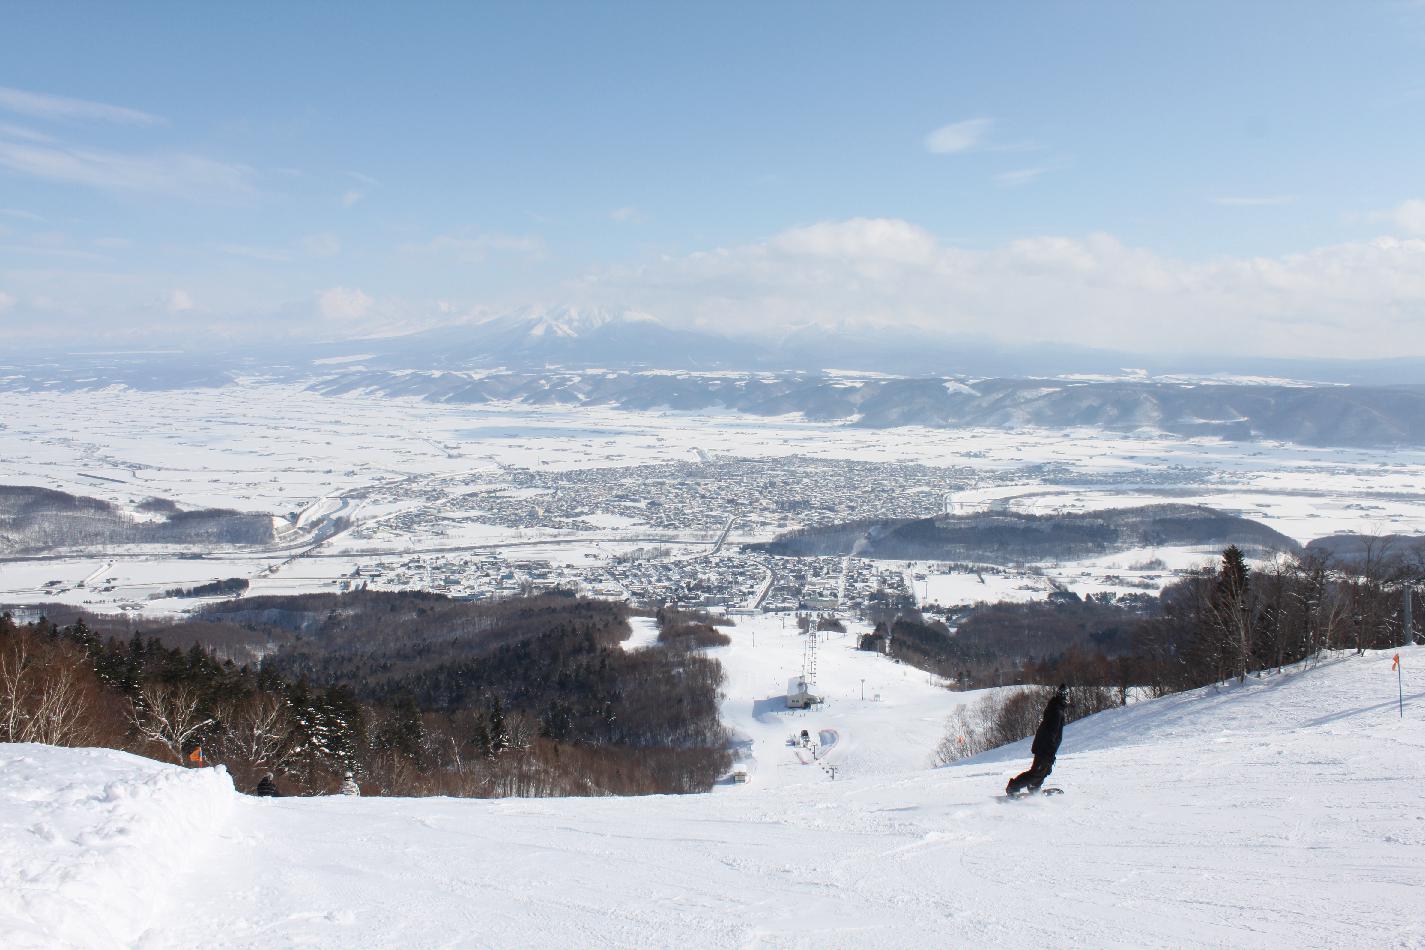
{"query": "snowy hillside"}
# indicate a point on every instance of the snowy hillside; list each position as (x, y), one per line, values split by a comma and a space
(1283, 812)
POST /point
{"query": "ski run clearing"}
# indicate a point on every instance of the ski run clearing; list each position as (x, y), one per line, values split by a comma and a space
(1281, 812)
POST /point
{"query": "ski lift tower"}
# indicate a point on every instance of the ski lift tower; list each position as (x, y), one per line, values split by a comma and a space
(809, 656)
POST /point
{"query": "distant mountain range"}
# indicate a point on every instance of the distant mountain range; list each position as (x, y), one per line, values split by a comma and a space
(583, 338)
(894, 377)
(1315, 415)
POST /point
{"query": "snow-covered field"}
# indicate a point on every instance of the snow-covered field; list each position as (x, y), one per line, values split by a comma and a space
(279, 448)
(397, 467)
(1283, 812)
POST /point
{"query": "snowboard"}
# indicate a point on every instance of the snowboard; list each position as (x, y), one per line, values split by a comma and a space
(1042, 791)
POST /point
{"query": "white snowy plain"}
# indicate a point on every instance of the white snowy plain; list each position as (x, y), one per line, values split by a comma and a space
(1281, 812)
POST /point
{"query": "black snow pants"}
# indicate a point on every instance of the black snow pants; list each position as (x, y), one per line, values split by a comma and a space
(1032, 779)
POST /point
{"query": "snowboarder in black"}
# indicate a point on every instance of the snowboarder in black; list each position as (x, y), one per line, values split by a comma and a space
(1046, 745)
(267, 788)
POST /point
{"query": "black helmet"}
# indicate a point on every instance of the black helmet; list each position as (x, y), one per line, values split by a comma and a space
(1062, 692)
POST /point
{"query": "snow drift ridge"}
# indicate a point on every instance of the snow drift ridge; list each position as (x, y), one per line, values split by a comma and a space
(92, 839)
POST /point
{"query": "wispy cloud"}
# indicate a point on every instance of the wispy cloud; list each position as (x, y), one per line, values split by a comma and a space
(1019, 176)
(963, 136)
(12, 131)
(1254, 201)
(325, 244)
(178, 174)
(626, 215)
(21, 214)
(179, 301)
(351, 196)
(344, 303)
(271, 255)
(44, 106)
(49, 249)
(472, 250)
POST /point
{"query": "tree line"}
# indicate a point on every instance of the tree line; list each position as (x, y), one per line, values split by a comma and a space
(1228, 622)
(411, 694)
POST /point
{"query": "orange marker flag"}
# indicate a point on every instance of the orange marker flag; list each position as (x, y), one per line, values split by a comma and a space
(1395, 664)
(196, 755)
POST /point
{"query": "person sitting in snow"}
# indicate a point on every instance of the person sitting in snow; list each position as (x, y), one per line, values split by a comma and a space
(267, 788)
(1046, 745)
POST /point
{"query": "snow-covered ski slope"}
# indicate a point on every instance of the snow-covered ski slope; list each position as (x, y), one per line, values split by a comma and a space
(1282, 812)
(878, 717)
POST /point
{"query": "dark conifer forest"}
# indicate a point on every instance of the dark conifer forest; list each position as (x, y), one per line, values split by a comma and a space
(1211, 626)
(410, 693)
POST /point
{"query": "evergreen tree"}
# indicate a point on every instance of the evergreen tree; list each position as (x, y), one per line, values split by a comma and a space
(1230, 610)
(499, 733)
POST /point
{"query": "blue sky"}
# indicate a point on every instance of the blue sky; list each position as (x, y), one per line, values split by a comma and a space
(1094, 172)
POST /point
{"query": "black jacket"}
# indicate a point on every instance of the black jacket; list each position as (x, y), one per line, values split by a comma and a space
(1051, 729)
(267, 788)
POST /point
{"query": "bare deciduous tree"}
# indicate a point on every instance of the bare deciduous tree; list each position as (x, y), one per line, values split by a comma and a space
(46, 692)
(258, 734)
(170, 716)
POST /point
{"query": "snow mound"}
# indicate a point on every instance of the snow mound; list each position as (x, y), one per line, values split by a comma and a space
(92, 839)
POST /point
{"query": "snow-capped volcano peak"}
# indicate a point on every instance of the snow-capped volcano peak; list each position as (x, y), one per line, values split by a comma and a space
(566, 321)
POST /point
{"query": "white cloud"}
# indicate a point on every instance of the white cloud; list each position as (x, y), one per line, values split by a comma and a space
(1410, 216)
(45, 106)
(179, 301)
(7, 301)
(1254, 201)
(344, 303)
(627, 215)
(863, 240)
(351, 197)
(1359, 299)
(958, 136)
(173, 174)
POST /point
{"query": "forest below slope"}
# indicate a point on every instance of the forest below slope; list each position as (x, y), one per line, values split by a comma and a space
(409, 693)
(1207, 627)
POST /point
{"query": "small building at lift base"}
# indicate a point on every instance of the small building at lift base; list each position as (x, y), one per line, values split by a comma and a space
(799, 694)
